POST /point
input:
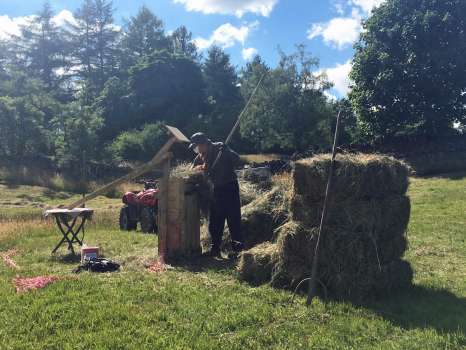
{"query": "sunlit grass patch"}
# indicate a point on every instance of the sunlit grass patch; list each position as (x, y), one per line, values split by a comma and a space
(201, 304)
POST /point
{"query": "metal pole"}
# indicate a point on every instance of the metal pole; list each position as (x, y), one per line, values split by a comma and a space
(315, 263)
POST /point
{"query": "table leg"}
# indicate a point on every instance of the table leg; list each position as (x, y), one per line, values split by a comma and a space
(60, 222)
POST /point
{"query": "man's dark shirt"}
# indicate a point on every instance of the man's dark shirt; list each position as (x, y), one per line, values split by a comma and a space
(224, 171)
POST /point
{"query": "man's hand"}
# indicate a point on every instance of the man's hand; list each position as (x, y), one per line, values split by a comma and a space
(201, 167)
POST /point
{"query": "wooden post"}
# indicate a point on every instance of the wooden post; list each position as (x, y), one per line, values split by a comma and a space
(179, 218)
(162, 211)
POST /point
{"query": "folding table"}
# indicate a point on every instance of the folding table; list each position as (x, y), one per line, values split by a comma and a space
(70, 222)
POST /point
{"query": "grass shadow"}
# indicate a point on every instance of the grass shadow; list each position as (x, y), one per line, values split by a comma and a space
(11, 185)
(422, 307)
(70, 258)
(205, 264)
(458, 175)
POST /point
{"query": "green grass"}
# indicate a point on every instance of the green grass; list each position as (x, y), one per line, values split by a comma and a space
(203, 306)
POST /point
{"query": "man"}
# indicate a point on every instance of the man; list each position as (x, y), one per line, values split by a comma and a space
(226, 203)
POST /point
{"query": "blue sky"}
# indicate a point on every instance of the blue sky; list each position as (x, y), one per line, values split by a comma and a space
(241, 27)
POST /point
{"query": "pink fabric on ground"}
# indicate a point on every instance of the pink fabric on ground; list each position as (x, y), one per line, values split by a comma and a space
(24, 284)
(157, 267)
(6, 256)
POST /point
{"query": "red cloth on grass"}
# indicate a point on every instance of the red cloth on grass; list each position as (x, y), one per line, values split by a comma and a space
(23, 284)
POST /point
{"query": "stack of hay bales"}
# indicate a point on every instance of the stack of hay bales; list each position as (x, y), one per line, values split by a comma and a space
(364, 237)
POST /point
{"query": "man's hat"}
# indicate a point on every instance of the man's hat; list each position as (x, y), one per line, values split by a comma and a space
(198, 138)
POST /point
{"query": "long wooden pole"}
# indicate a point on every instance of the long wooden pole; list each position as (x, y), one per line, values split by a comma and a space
(315, 263)
(161, 155)
(238, 121)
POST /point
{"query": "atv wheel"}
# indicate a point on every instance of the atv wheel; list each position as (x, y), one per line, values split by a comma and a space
(147, 220)
(126, 224)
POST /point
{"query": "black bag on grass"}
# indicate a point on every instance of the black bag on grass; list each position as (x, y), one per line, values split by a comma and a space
(98, 265)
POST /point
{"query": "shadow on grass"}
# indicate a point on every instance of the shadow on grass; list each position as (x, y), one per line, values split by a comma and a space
(421, 307)
(70, 258)
(459, 175)
(11, 185)
(205, 264)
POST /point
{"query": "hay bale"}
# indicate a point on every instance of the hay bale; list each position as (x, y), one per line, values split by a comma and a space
(296, 246)
(373, 281)
(364, 237)
(262, 216)
(352, 265)
(255, 265)
(357, 176)
(383, 218)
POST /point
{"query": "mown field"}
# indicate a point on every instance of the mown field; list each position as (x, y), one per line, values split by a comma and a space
(202, 305)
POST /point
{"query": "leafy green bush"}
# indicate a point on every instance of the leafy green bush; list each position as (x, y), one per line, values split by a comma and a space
(140, 144)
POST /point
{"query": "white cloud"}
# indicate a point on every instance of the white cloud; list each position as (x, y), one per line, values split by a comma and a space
(330, 96)
(64, 17)
(12, 26)
(367, 5)
(227, 7)
(227, 35)
(339, 76)
(340, 32)
(249, 53)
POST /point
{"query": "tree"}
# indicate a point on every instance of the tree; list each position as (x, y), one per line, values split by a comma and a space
(289, 111)
(41, 48)
(181, 42)
(223, 94)
(26, 114)
(144, 34)
(408, 69)
(116, 109)
(166, 87)
(76, 137)
(95, 40)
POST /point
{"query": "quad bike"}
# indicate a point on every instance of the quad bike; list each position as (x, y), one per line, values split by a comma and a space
(140, 207)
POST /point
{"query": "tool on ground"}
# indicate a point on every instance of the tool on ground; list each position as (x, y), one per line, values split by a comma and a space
(315, 263)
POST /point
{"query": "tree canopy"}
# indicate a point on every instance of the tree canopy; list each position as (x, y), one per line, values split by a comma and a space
(409, 69)
(89, 90)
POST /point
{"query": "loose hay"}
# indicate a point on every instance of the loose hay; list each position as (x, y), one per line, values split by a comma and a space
(261, 217)
(196, 181)
(255, 265)
(248, 191)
